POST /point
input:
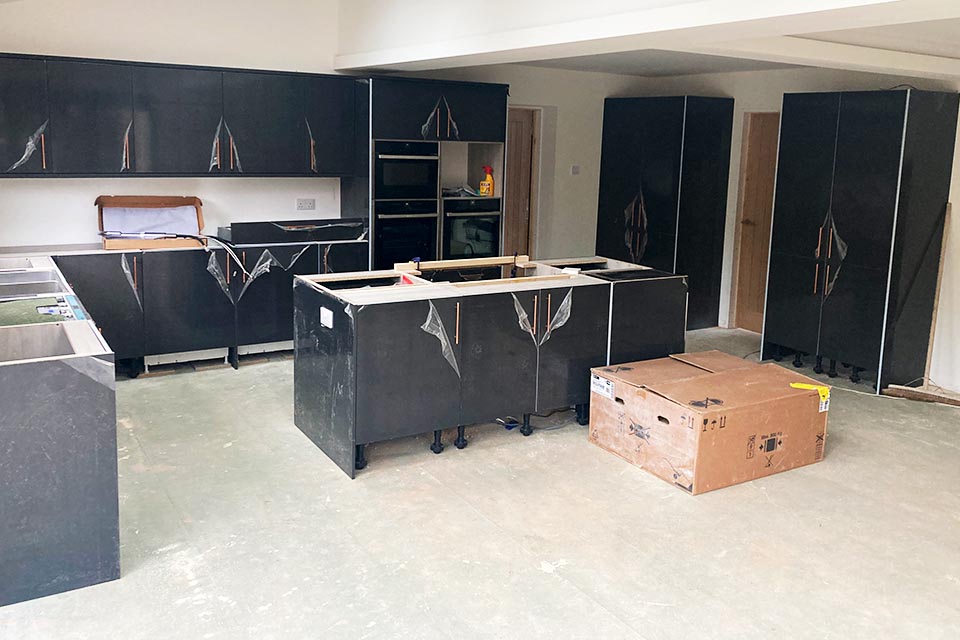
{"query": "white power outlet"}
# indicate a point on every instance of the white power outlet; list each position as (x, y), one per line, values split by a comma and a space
(306, 204)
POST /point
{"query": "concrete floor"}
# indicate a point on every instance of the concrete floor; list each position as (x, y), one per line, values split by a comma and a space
(234, 526)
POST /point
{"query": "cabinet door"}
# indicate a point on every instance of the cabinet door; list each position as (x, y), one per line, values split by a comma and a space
(331, 124)
(110, 287)
(176, 115)
(91, 117)
(640, 180)
(185, 305)
(264, 123)
(573, 336)
(406, 379)
(794, 298)
(477, 112)
(808, 136)
(23, 116)
(499, 355)
(647, 319)
(407, 109)
(703, 205)
(265, 304)
(344, 256)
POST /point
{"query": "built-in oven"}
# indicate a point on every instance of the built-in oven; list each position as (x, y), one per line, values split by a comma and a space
(471, 228)
(404, 230)
(405, 170)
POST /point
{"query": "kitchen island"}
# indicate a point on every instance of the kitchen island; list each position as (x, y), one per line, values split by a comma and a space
(428, 346)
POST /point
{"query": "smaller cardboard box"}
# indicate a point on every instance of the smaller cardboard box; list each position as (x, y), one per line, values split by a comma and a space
(702, 421)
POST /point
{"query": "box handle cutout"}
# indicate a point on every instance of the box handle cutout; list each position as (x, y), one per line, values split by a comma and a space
(663, 420)
(618, 400)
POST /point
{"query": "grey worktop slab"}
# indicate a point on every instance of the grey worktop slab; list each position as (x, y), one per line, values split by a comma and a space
(95, 247)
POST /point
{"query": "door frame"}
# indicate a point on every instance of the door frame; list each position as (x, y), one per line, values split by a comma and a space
(535, 164)
(738, 223)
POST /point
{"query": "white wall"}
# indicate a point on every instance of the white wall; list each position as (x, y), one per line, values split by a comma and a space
(282, 34)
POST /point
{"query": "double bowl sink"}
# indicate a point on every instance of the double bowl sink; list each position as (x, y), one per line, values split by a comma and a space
(29, 277)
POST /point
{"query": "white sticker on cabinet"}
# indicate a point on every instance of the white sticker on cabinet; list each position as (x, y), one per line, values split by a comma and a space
(326, 318)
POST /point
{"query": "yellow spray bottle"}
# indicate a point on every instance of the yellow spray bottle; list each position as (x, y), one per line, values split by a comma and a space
(486, 185)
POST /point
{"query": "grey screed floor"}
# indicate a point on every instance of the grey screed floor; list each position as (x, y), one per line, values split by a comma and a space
(234, 525)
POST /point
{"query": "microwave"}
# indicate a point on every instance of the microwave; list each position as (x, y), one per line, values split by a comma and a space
(406, 170)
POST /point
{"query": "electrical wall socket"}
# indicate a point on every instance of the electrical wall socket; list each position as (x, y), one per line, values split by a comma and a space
(306, 204)
(574, 169)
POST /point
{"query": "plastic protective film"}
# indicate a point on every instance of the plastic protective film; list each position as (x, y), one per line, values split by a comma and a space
(434, 326)
(561, 317)
(313, 145)
(836, 245)
(430, 124)
(524, 319)
(125, 265)
(635, 227)
(100, 371)
(453, 131)
(31, 147)
(126, 147)
(213, 268)
(214, 160)
(265, 262)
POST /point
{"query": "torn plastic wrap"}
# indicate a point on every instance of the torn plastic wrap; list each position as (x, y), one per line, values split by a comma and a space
(214, 156)
(33, 143)
(430, 124)
(453, 131)
(125, 153)
(100, 371)
(635, 227)
(351, 313)
(313, 146)
(264, 264)
(524, 319)
(434, 326)
(125, 265)
(835, 246)
(213, 268)
(561, 317)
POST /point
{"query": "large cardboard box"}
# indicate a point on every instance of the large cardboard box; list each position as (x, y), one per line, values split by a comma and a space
(703, 421)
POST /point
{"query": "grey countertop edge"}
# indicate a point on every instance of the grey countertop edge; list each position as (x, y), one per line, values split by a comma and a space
(88, 248)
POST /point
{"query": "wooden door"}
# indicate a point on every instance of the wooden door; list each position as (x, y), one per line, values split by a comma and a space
(521, 153)
(757, 177)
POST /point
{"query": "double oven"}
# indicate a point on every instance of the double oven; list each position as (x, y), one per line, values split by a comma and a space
(411, 220)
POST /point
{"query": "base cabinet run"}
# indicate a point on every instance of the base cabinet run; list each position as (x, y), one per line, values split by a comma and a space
(364, 373)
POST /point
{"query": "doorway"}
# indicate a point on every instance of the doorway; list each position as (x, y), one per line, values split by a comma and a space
(758, 167)
(521, 180)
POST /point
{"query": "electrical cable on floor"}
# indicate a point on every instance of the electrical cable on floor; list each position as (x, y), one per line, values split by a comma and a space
(751, 354)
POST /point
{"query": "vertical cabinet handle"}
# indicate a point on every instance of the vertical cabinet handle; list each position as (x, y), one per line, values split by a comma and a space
(826, 280)
(243, 274)
(456, 332)
(313, 155)
(43, 150)
(534, 315)
(219, 166)
(227, 263)
(438, 122)
(819, 240)
(231, 153)
(816, 278)
(830, 243)
(135, 272)
(548, 312)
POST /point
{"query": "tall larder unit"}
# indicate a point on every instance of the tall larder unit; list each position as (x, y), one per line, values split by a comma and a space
(861, 196)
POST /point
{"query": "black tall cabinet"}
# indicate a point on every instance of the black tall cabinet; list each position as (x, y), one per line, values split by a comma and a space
(663, 190)
(862, 186)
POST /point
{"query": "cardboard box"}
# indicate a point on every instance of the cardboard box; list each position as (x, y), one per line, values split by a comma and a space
(703, 421)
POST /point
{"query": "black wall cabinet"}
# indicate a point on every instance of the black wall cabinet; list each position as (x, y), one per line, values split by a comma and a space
(110, 286)
(176, 114)
(23, 116)
(663, 190)
(185, 306)
(332, 124)
(862, 186)
(91, 117)
(406, 109)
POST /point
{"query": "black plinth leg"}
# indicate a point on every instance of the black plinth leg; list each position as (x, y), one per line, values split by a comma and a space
(361, 461)
(818, 368)
(832, 372)
(583, 414)
(525, 428)
(797, 360)
(777, 356)
(461, 441)
(437, 445)
(855, 374)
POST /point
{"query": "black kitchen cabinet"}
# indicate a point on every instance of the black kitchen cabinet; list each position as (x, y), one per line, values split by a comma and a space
(663, 190)
(264, 127)
(187, 300)
(177, 112)
(407, 109)
(91, 117)
(408, 378)
(23, 116)
(647, 316)
(328, 105)
(498, 340)
(573, 338)
(862, 185)
(111, 288)
(341, 257)
(265, 303)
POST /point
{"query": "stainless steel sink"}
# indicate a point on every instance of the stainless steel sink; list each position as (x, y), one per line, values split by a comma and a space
(24, 283)
(54, 340)
(35, 275)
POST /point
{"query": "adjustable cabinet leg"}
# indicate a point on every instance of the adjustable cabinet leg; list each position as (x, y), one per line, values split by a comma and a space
(525, 428)
(797, 360)
(777, 355)
(437, 445)
(855, 374)
(461, 441)
(832, 372)
(583, 414)
(818, 368)
(360, 461)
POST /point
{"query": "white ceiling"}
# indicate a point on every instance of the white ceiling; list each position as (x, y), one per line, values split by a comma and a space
(654, 62)
(934, 38)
